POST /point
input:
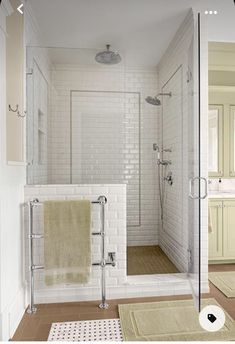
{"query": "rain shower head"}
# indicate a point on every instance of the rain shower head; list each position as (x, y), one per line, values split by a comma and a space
(155, 100)
(108, 57)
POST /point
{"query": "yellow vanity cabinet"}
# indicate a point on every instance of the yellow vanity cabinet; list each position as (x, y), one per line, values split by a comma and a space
(215, 229)
(229, 229)
(221, 230)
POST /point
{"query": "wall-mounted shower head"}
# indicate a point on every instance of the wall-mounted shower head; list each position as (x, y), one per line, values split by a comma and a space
(155, 100)
(108, 57)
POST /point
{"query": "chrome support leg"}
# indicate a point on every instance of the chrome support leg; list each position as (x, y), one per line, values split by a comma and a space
(103, 304)
(103, 201)
(31, 309)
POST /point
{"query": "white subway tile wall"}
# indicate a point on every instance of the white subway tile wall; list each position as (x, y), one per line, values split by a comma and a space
(176, 244)
(134, 85)
(106, 143)
(177, 56)
(172, 139)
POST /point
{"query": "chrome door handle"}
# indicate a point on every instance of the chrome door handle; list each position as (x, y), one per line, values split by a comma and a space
(191, 180)
(205, 189)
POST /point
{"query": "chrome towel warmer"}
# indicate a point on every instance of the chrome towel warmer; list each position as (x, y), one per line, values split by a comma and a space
(102, 200)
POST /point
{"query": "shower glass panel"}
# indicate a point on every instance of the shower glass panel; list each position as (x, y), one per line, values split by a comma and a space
(105, 142)
(196, 183)
(37, 123)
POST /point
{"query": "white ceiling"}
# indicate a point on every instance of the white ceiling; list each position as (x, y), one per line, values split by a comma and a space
(140, 29)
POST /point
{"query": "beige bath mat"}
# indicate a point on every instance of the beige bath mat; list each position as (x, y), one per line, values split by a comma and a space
(169, 321)
(224, 281)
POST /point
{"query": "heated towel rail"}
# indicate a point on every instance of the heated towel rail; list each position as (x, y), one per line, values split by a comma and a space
(102, 200)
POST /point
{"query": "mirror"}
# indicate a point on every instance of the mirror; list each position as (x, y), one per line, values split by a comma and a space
(214, 140)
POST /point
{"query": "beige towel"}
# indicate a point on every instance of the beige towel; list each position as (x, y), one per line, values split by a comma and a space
(210, 227)
(67, 241)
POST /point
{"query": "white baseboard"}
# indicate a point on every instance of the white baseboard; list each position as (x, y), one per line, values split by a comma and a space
(12, 315)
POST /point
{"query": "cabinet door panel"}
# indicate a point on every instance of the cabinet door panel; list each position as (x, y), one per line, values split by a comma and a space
(215, 230)
(229, 229)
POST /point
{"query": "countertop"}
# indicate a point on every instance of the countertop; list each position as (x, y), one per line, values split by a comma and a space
(221, 194)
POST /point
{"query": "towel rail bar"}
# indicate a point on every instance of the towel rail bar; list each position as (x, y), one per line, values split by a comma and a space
(41, 236)
(102, 200)
(41, 267)
(35, 202)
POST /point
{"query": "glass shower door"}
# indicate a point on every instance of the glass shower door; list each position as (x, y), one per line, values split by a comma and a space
(197, 184)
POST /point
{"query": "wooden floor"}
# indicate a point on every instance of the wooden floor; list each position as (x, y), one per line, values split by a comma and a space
(148, 260)
(37, 327)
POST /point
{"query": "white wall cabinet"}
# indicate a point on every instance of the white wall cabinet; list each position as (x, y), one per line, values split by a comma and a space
(222, 231)
(15, 85)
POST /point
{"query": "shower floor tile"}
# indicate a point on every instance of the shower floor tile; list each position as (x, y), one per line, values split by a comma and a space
(148, 260)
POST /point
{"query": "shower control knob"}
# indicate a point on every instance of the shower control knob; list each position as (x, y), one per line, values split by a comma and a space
(169, 178)
(155, 147)
(30, 163)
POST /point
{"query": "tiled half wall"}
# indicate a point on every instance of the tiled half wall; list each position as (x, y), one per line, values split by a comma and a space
(119, 285)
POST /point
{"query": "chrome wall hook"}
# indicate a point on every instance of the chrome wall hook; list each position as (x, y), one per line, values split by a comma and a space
(17, 111)
(21, 115)
(10, 108)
